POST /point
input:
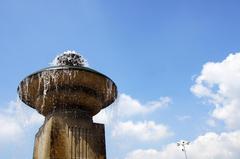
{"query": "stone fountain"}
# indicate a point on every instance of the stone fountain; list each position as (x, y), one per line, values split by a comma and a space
(68, 95)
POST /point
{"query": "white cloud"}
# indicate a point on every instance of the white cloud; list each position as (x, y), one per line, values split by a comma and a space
(143, 131)
(211, 122)
(209, 146)
(104, 116)
(126, 106)
(146, 154)
(219, 84)
(15, 119)
(10, 130)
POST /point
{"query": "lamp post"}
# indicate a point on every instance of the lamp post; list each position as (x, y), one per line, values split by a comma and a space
(182, 144)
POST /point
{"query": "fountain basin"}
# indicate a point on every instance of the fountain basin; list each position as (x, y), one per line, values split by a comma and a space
(67, 87)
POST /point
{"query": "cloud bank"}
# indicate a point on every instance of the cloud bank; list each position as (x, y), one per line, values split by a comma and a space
(219, 84)
(117, 117)
(143, 131)
(15, 119)
(126, 106)
(209, 146)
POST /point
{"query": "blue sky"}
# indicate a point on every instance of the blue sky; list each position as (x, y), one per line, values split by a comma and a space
(153, 50)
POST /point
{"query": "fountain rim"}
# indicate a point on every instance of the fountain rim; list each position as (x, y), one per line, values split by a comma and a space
(68, 67)
(62, 67)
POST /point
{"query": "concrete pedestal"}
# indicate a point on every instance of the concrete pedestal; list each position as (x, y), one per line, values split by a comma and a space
(70, 134)
(68, 95)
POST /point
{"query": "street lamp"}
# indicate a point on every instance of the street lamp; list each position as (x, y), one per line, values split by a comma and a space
(182, 144)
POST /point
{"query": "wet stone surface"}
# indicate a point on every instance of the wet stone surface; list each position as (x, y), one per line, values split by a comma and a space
(68, 95)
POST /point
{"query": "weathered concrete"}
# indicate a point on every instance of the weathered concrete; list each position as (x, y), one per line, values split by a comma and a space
(70, 135)
(68, 96)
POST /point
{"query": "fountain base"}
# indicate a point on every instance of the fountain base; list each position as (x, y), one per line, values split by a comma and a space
(70, 135)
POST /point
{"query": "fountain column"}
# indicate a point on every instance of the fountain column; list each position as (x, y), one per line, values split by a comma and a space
(68, 95)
